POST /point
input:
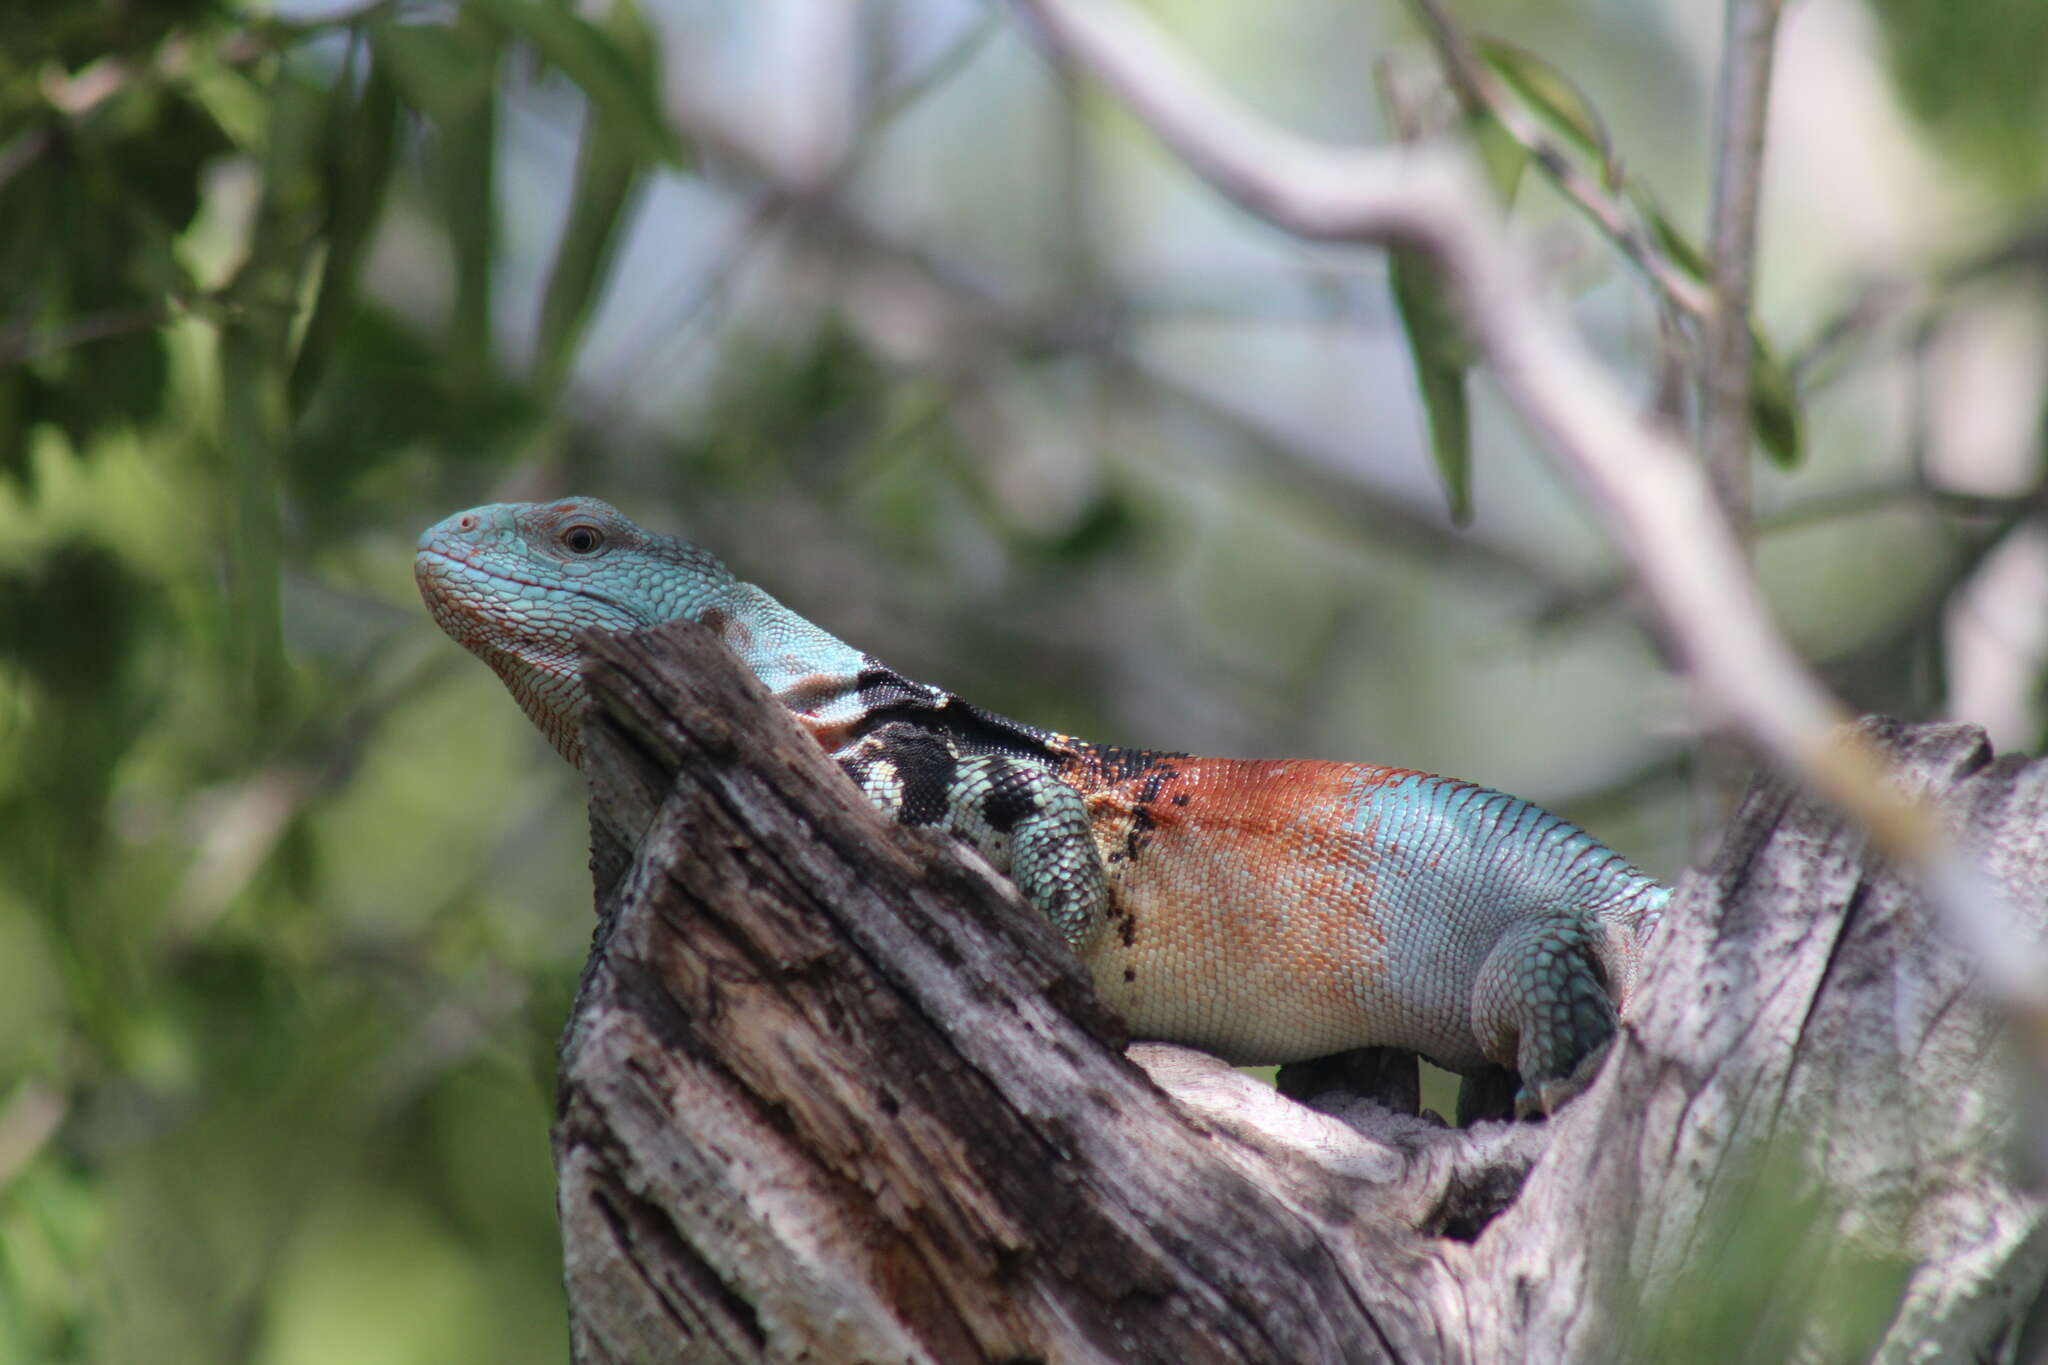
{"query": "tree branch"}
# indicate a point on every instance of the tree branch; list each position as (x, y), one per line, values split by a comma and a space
(1741, 104)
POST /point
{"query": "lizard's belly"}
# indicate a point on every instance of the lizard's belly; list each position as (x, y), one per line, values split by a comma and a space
(1267, 911)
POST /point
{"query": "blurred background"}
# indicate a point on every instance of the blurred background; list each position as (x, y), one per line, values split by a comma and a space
(920, 333)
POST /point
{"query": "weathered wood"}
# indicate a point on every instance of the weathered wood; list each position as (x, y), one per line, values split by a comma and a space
(831, 1092)
(1810, 1097)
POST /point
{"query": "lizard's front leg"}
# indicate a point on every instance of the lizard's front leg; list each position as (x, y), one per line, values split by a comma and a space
(1032, 827)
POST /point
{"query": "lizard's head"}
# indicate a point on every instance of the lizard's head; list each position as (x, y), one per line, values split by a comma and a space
(513, 582)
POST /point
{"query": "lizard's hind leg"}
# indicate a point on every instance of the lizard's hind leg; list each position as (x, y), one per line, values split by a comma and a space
(1541, 1005)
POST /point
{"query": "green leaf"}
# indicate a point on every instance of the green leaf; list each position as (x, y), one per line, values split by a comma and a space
(361, 138)
(451, 74)
(1437, 343)
(41, 604)
(293, 134)
(464, 178)
(1972, 74)
(625, 88)
(253, 423)
(443, 72)
(605, 178)
(1774, 404)
(1676, 246)
(608, 170)
(1500, 156)
(161, 161)
(1551, 94)
(388, 394)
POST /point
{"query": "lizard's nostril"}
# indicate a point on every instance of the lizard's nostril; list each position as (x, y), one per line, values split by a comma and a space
(466, 522)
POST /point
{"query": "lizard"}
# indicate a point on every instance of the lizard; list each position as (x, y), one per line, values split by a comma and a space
(1266, 910)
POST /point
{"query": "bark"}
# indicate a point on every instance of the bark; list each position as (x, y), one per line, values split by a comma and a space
(831, 1092)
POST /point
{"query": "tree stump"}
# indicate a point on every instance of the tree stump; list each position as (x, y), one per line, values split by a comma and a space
(831, 1092)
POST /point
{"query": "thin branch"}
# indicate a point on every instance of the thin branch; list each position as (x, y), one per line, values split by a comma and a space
(1888, 306)
(28, 1120)
(950, 62)
(1998, 517)
(21, 343)
(1742, 102)
(18, 155)
(1480, 91)
(1652, 497)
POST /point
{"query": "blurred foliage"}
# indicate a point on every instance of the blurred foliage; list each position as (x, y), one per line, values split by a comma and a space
(290, 898)
(276, 1075)
(1779, 1274)
(1973, 72)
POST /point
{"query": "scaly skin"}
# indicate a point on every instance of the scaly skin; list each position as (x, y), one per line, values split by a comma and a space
(1266, 910)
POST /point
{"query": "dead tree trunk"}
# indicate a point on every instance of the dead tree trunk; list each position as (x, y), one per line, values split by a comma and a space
(832, 1093)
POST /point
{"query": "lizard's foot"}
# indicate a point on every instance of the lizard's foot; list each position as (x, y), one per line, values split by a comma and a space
(1545, 1097)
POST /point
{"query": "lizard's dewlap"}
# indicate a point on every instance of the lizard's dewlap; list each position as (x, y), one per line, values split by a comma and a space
(1268, 910)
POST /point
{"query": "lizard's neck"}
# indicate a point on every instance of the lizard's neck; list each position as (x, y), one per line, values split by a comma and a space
(812, 672)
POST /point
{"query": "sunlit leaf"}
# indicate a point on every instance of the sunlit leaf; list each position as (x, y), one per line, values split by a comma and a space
(1441, 356)
(1550, 94)
(1500, 156)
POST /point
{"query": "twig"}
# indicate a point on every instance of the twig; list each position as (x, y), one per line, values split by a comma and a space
(1999, 517)
(18, 155)
(20, 343)
(1741, 103)
(947, 64)
(1652, 497)
(1480, 92)
(1891, 304)
(28, 1120)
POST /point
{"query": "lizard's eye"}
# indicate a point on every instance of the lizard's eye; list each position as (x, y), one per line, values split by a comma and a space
(582, 539)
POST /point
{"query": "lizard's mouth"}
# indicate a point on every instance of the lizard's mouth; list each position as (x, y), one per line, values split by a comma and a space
(462, 591)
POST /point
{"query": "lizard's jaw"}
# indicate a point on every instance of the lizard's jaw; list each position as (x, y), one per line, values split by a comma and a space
(535, 659)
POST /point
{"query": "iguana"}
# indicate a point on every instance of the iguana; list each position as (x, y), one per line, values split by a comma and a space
(1268, 910)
